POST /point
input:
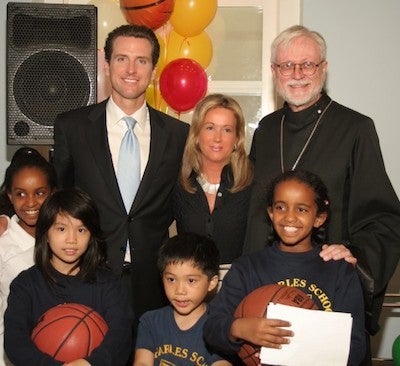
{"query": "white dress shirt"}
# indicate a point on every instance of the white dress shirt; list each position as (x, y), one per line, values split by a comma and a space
(116, 129)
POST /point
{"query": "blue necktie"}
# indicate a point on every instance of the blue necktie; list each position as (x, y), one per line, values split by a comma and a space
(129, 164)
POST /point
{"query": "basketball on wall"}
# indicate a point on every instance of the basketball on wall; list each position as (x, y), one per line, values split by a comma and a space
(68, 332)
(255, 305)
(151, 13)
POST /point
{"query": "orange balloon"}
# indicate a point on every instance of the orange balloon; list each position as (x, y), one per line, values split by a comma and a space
(198, 48)
(190, 17)
(151, 13)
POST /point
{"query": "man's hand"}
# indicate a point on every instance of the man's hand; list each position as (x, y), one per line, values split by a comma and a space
(336, 252)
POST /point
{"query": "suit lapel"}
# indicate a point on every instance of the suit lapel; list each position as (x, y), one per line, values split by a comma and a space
(97, 140)
(158, 142)
(96, 137)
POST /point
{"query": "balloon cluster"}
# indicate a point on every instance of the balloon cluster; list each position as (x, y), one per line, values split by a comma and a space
(186, 49)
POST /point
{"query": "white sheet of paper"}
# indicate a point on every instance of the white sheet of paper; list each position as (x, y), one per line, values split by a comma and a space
(320, 338)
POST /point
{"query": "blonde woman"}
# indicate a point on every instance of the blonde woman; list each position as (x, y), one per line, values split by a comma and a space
(212, 195)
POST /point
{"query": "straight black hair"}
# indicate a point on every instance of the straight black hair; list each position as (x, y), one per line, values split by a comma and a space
(190, 247)
(77, 204)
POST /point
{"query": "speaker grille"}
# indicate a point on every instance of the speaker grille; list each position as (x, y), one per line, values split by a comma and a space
(51, 66)
(48, 83)
(32, 30)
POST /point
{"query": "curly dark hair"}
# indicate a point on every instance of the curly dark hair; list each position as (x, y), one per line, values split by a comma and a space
(321, 198)
(25, 157)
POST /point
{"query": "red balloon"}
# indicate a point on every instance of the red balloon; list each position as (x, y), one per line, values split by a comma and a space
(183, 82)
(151, 13)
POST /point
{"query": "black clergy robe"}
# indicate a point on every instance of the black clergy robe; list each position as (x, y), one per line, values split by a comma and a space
(344, 151)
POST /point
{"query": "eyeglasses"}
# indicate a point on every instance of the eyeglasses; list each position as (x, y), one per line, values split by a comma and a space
(308, 68)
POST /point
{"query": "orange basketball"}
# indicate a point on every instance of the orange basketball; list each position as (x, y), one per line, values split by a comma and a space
(151, 13)
(255, 305)
(68, 332)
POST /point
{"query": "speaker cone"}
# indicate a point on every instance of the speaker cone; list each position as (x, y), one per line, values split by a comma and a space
(48, 83)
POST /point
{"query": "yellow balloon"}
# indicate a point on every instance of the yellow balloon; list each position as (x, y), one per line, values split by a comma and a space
(150, 95)
(198, 48)
(154, 97)
(163, 107)
(162, 60)
(109, 16)
(162, 34)
(190, 17)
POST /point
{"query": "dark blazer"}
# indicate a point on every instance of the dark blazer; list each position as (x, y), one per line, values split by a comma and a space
(82, 158)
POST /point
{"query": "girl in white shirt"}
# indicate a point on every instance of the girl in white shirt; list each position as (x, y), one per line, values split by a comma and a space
(28, 181)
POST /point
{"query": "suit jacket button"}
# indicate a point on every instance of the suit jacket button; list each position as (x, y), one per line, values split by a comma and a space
(130, 218)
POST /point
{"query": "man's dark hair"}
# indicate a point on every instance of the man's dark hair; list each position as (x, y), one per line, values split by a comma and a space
(136, 31)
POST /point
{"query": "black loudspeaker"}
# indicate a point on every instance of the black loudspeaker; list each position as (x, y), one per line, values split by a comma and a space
(51, 66)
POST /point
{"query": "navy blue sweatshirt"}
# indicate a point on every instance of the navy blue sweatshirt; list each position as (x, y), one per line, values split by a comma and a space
(333, 285)
(31, 295)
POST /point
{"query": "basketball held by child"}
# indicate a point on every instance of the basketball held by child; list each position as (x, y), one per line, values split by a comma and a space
(68, 332)
(255, 305)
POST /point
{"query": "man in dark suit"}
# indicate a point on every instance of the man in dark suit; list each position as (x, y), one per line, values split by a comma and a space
(86, 152)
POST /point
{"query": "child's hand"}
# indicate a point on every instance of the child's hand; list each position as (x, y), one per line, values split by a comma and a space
(336, 252)
(80, 362)
(262, 331)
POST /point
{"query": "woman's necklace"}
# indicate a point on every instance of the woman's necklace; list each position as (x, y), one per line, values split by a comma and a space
(211, 188)
(307, 142)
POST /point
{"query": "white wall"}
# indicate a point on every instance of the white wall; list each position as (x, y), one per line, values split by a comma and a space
(363, 52)
(363, 56)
